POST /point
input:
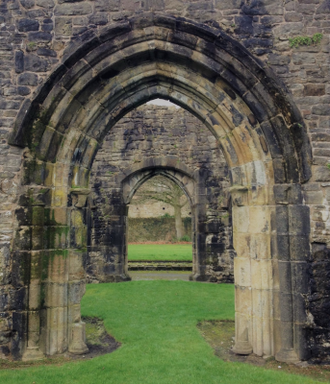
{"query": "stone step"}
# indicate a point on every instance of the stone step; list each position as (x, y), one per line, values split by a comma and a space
(163, 265)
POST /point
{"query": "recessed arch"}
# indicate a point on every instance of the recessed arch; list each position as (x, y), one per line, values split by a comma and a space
(252, 116)
(169, 167)
(184, 178)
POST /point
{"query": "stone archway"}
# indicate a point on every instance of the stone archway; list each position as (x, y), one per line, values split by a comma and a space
(258, 128)
(110, 249)
(189, 186)
(113, 243)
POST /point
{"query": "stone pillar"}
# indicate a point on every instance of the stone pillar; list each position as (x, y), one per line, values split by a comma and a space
(261, 279)
(199, 210)
(125, 246)
(293, 251)
(37, 206)
(76, 277)
(286, 353)
(242, 272)
(108, 250)
(194, 243)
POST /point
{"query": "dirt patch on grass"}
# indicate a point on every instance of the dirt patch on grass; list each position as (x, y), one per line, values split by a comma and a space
(220, 335)
(98, 341)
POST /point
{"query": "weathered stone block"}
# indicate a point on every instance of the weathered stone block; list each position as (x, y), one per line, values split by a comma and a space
(243, 299)
(99, 18)
(314, 90)
(299, 223)
(321, 109)
(38, 37)
(46, 52)
(154, 5)
(28, 4)
(23, 91)
(63, 26)
(242, 268)
(73, 9)
(313, 197)
(324, 8)
(321, 173)
(299, 248)
(28, 78)
(293, 16)
(287, 193)
(288, 30)
(19, 62)
(36, 64)
(28, 25)
(48, 4)
(228, 4)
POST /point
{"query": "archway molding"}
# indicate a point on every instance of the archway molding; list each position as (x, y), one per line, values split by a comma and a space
(258, 127)
(111, 244)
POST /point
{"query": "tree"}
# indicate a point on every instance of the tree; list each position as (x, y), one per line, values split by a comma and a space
(163, 189)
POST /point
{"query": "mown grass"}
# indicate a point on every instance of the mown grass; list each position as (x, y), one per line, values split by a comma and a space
(156, 323)
(156, 252)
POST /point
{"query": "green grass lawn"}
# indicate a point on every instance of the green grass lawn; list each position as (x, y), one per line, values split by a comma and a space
(182, 252)
(156, 323)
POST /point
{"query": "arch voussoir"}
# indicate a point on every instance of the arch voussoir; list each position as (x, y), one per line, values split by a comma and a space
(109, 73)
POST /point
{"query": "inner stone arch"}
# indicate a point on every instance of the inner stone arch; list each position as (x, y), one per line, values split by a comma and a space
(256, 124)
(134, 182)
(169, 141)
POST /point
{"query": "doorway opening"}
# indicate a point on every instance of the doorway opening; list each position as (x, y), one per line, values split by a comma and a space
(159, 228)
(160, 150)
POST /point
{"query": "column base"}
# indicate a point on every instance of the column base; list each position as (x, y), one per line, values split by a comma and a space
(32, 353)
(242, 348)
(287, 356)
(77, 345)
(199, 277)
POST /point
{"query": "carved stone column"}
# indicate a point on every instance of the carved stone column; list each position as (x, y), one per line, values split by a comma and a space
(242, 272)
(37, 198)
(76, 279)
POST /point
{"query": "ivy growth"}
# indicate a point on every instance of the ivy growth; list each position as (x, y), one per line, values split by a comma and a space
(295, 42)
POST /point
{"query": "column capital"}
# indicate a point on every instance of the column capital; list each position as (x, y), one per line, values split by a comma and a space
(80, 196)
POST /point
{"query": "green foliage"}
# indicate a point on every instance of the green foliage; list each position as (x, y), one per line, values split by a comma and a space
(32, 46)
(167, 216)
(328, 166)
(185, 238)
(297, 41)
(182, 252)
(187, 221)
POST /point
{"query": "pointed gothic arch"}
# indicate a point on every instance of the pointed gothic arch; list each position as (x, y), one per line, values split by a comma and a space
(262, 136)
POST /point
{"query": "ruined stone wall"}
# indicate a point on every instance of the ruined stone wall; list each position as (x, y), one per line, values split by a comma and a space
(34, 34)
(155, 209)
(150, 132)
(156, 229)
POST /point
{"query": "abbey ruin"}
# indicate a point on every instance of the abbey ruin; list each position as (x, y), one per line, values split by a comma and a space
(254, 73)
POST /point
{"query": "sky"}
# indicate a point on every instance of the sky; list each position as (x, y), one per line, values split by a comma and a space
(162, 102)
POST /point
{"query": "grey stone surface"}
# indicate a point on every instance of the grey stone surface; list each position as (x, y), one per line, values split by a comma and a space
(31, 54)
